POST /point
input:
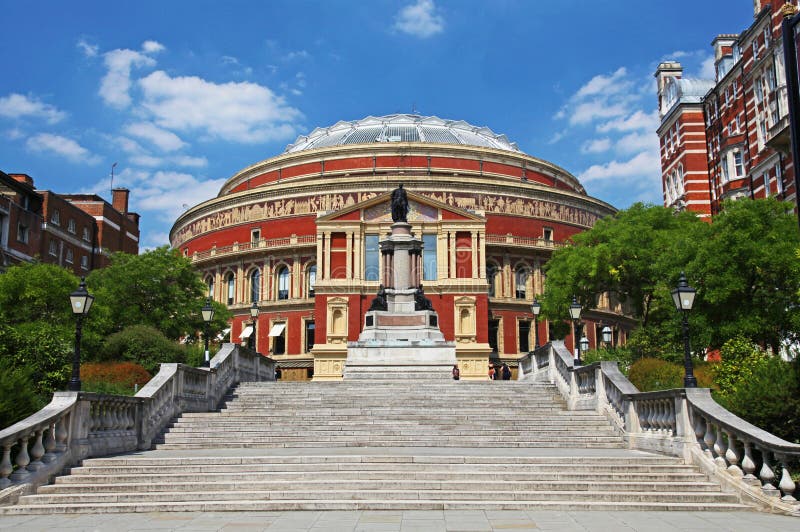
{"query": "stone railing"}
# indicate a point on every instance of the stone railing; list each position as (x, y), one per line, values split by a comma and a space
(687, 423)
(285, 242)
(78, 425)
(523, 241)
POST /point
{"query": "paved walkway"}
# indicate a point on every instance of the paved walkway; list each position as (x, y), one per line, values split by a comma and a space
(402, 521)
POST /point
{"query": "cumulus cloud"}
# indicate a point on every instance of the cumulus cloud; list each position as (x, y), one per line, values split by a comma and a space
(419, 19)
(637, 120)
(642, 164)
(88, 49)
(597, 146)
(163, 139)
(116, 84)
(61, 146)
(20, 106)
(605, 84)
(240, 112)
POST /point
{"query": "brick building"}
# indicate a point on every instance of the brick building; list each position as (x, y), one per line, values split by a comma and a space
(76, 231)
(728, 137)
(299, 234)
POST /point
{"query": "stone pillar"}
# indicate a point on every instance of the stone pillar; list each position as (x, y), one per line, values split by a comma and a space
(474, 255)
(321, 262)
(327, 254)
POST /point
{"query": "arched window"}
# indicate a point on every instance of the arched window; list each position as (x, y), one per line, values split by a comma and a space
(210, 285)
(491, 278)
(231, 284)
(311, 280)
(521, 282)
(283, 283)
(255, 285)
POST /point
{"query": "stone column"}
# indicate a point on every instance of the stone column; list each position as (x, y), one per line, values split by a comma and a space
(320, 259)
(474, 246)
(327, 254)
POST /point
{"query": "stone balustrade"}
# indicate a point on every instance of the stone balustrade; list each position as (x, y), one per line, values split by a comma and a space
(78, 425)
(684, 422)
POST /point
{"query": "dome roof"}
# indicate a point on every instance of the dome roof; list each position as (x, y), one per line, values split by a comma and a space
(402, 128)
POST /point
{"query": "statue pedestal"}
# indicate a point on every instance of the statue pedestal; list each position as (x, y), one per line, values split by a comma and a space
(400, 342)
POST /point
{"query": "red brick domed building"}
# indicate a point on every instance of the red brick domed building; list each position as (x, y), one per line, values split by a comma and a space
(299, 234)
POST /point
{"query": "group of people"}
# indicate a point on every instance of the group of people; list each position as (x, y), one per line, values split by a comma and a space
(495, 374)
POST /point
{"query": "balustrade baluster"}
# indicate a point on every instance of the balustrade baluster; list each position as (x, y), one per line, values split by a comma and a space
(61, 433)
(5, 466)
(708, 439)
(663, 418)
(767, 476)
(37, 451)
(732, 456)
(787, 485)
(748, 465)
(50, 444)
(719, 450)
(22, 461)
(107, 419)
(699, 430)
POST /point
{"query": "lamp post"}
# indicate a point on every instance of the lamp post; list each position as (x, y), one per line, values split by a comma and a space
(606, 333)
(208, 314)
(254, 315)
(575, 313)
(683, 297)
(81, 301)
(584, 344)
(536, 308)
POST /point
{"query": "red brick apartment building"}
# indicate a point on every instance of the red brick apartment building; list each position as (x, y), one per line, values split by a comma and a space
(77, 231)
(728, 137)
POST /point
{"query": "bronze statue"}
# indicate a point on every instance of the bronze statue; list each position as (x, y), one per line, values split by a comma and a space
(379, 301)
(399, 204)
(420, 301)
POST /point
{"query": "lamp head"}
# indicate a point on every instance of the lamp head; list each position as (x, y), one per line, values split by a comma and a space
(207, 311)
(575, 309)
(683, 295)
(81, 300)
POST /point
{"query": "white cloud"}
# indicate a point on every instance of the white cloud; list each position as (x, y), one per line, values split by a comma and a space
(644, 163)
(165, 140)
(419, 20)
(150, 161)
(597, 145)
(637, 120)
(152, 47)
(296, 54)
(88, 49)
(19, 106)
(637, 142)
(61, 146)
(707, 68)
(239, 112)
(587, 112)
(14, 134)
(115, 85)
(605, 85)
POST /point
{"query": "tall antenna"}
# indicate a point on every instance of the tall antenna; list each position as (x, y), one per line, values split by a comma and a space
(112, 177)
(414, 109)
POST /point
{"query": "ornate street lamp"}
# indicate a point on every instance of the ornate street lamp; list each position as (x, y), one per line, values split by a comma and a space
(584, 344)
(254, 315)
(208, 314)
(683, 297)
(536, 308)
(606, 333)
(575, 313)
(81, 301)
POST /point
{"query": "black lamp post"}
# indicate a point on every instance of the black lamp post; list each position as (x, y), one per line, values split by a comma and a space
(536, 308)
(606, 333)
(254, 315)
(683, 297)
(575, 313)
(208, 314)
(81, 301)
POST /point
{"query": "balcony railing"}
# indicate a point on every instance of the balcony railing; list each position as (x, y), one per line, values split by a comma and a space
(264, 244)
(523, 241)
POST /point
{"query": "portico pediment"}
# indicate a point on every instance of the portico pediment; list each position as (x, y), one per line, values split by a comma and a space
(420, 209)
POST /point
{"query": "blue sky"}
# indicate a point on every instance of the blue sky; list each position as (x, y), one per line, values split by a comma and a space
(181, 95)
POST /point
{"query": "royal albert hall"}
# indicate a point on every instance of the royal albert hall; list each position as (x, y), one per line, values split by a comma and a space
(298, 235)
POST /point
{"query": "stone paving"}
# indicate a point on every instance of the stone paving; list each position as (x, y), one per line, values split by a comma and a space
(402, 521)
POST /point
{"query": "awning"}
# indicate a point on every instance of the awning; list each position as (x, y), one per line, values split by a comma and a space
(246, 332)
(221, 336)
(277, 329)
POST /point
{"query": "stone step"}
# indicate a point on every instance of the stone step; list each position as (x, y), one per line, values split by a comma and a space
(388, 443)
(322, 494)
(125, 485)
(209, 505)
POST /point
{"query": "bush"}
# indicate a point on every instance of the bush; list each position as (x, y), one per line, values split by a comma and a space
(18, 398)
(103, 376)
(624, 357)
(769, 397)
(649, 374)
(143, 345)
(43, 348)
(739, 358)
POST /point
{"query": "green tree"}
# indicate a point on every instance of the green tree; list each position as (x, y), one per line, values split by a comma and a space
(159, 288)
(36, 292)
(636, 256)
(748, 274)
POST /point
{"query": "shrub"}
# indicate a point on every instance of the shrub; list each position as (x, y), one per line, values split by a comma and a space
(739, 358)
(143, 345)
(624, 357)
(769, 397)
(649, 374)
(18, 398)
(115, 374)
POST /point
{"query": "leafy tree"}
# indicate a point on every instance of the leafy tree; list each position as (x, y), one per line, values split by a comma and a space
(143, 345)
(18, 397)
(748, 274)
(159, 288)
(36, 292)
(636, 256)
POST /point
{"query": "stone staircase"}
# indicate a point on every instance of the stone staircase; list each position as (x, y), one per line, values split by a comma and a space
(383, 445)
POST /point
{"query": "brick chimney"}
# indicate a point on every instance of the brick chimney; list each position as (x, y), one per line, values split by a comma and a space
(119, 199)
(23, 178)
